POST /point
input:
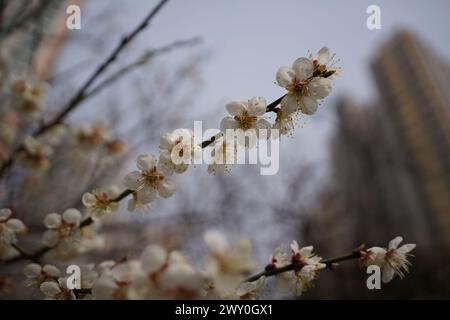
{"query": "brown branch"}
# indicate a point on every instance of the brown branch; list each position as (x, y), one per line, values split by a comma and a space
(81, 94)
(145, 58)
(330, 262)
(88, 221)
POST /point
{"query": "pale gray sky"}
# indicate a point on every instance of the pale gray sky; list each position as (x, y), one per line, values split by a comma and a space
(250, 39)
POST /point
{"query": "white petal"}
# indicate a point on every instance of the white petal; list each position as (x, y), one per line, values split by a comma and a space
(50, 288)
(285, 76)
(146, 162)
(133, 180)
(306, 251)
(166, 188)
(388, 273)
(166, 142)
(303, 68)
(406, 248)
(320, 88)
(51, 270)
(290, 103)
(16, 225)
(72, 216)
(88, 199)
(32, 270)
(308, 105)
(146, 195)
(257, 106)
(52, 220)
(263, 124)
(153, 258)
(323, 56)
(393, 244)
(294, 246)
(216, 241)
(235, 108)
(112, 192)
(5, 214)
(228, 123)
(104, 288)
(50, 238)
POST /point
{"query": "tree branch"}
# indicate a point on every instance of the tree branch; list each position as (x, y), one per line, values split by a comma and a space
(81, 94)
(330, 262)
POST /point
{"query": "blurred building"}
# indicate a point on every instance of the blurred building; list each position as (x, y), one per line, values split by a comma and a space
(391, 174)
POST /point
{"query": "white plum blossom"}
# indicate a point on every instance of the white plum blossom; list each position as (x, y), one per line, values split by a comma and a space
(251, 290)
(9, 227)
(280, 258)
(177, 150)
(36, 154)
(60, 226)
(227, 265)
(397, 259)
(247, 116)
(30, 95)
(89, 136)
(57, 290)
(306, 269)
(166, 275)
(305, 86)
(101, 202)
(115, 279)
(393, 260)
(36, 274)
(150, 181)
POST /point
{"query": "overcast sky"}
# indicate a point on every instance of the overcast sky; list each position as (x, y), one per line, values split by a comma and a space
(250, 39)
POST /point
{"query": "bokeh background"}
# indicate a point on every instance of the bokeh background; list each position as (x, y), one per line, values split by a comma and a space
(373, 163)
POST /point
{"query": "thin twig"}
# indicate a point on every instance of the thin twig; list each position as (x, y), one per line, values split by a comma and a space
(81, 93)
(330, 262)
(88, 221)
(145, 58)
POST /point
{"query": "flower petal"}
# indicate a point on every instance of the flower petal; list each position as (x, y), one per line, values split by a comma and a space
(308, 105)
(257, 106)
(235, 108)
(52, 220)
(166, 188)
(72, 216)
(228, 123)
(153, 258)
(166, 141)
(50, 288)
(216, 241)
(32, 270)
(393, 244)
(146, 162)
(323, 56)
(5, 214)
(146, 195)
(388, 273)
(303, 68)
(320, 88)
(285, 76)
(406, 248)
(133, 180)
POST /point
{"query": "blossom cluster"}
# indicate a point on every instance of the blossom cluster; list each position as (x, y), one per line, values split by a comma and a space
(307, 82)
(226, 268)
(162, 274)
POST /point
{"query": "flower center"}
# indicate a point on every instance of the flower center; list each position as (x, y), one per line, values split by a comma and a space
(299, 87)
(152, 177)
(246, 121)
